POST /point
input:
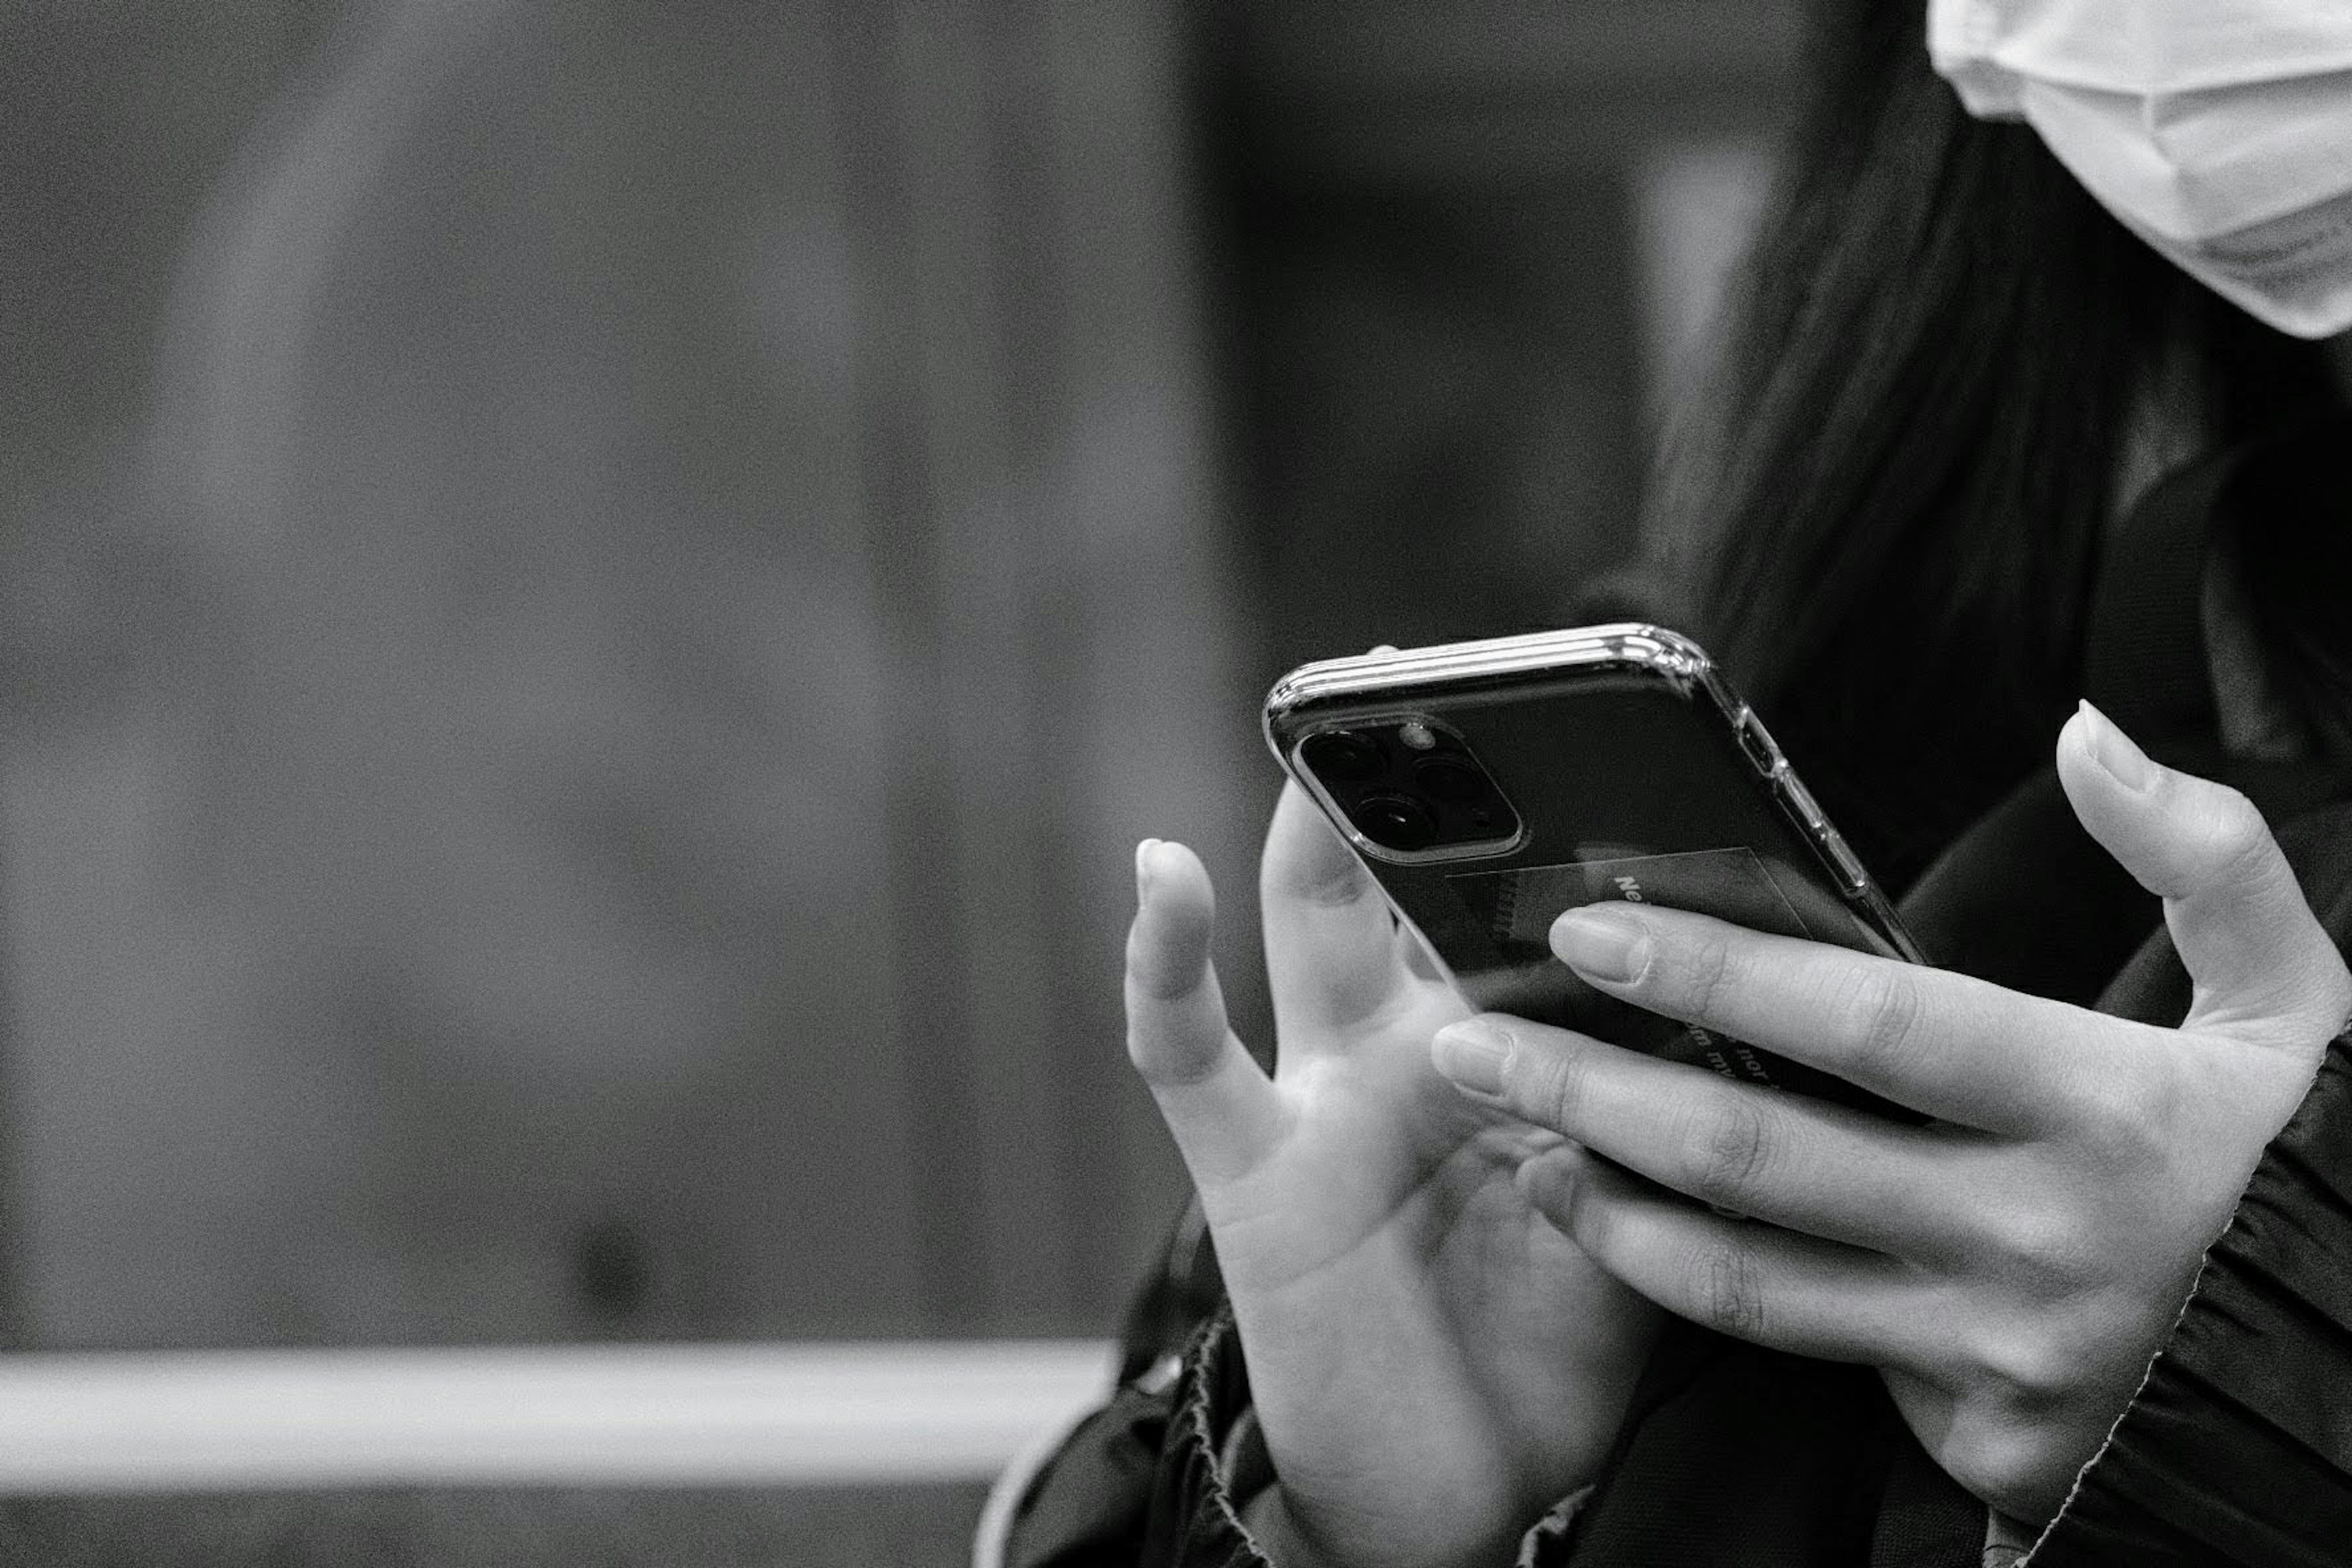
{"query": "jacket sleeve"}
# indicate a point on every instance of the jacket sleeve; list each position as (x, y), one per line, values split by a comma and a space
(1146, 1482)
(1160, 1478)
(2238, 1449)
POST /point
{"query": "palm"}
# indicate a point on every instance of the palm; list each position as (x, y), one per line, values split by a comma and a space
(1432, 1362)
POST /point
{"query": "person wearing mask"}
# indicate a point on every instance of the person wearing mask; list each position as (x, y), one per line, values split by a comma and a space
(2041, 390)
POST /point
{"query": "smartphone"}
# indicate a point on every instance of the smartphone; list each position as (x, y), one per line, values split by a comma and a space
(1489, 786)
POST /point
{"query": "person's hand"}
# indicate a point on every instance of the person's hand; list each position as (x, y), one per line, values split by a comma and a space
(2011, 1267)
(1433, 1363)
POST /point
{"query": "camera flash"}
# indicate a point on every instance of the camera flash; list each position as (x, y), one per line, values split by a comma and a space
(1416, 734)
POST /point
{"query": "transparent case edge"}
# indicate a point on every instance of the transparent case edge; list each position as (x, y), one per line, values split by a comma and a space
(1631, 645)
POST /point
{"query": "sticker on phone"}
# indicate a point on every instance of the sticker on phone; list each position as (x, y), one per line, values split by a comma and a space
(1515, 909)
(1730, 884)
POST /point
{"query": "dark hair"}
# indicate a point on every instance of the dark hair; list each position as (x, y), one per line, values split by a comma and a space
(1897, 500)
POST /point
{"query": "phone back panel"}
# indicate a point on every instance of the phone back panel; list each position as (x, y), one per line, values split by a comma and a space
(1635, 775)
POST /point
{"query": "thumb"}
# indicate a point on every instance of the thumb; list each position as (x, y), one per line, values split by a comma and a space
(2238, 916)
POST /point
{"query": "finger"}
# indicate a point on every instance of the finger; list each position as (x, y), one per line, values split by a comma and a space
(1947, 1045)
(2237, 915)
(1330, 951)
(1225, 1113)
(1801, 1163)
(1740, 1278)
(1416, 955)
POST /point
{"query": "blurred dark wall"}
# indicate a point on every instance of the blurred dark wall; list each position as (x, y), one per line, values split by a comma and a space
(691, 561)
(117, 120)
(598, 594)
(1457, 253)
(119, 117)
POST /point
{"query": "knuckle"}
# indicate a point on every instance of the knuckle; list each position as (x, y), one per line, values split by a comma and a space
(1590, 1221)
(1143, 1055)
(1174, 1059)
(2234, 822)
(1305, 861)
(1731, 1297)
(1313, 882)
(1550, 1087)
(1876, 1010)
(2133, 1122)
(1703, 974)
(1146, 1052)
(1331, 888)
(2044, 1246)
(1730, 1152)
(2128, 1119)
(1155, 973)
(1147, 1040)
(2232, 841)
(2033, 1367)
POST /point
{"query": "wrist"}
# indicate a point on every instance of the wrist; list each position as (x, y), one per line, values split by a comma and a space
(1267, 1517)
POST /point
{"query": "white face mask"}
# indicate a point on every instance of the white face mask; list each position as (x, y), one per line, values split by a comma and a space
(2220, 131)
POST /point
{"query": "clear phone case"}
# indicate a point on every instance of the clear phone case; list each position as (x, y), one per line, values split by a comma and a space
(1618, 765)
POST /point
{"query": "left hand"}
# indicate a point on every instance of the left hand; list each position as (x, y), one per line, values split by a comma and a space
(2011, 1267)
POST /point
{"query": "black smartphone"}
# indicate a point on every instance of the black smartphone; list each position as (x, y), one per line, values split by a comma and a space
(1489, 786)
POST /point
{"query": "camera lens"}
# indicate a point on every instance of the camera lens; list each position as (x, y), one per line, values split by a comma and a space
(1452, 780)
(1397, 821)
(1343, 757)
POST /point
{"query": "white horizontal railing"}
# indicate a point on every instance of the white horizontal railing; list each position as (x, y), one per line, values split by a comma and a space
(804, 1414)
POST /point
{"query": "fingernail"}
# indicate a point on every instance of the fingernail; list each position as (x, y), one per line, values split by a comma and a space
(1602, 945)
(1143, 871)
(2114, 750)
(1474, 1054)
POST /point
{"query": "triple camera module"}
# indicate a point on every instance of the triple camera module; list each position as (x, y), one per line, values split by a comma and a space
(1410, 786)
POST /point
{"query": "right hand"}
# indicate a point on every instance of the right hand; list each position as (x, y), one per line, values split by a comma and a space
(1433, 1364)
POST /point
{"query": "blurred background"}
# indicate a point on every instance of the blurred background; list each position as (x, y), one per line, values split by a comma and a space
(594, 596)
